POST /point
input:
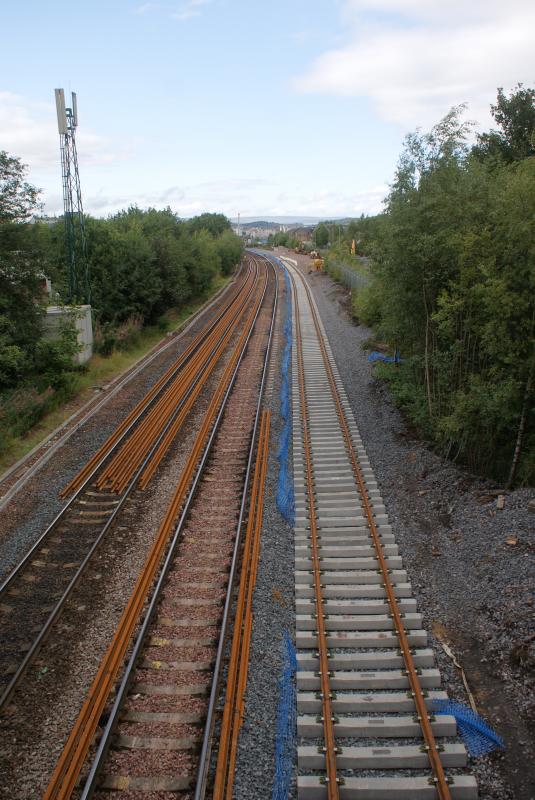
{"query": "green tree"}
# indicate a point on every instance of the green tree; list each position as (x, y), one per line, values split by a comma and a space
(515, 116)
(321, 235)
(21, 296)
(215, 224)
(453, 287)
(18, 199)
(230, 249)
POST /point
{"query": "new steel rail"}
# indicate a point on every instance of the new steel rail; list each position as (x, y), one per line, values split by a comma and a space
(323, 445)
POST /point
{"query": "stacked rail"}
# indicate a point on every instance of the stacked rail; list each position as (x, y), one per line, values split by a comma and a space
(366, 678)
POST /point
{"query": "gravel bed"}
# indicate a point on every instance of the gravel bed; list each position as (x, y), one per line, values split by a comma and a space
(186, 704)
(169, 653)
(273, 609)
(23, 520)
(154, 762)
(160, 730)
(472, 566)
(146, 795)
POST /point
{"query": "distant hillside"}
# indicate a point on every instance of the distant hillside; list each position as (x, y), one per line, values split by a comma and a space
(265, 221)
(259, 224)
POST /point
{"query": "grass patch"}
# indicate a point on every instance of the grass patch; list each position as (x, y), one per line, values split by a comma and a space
(98, 372)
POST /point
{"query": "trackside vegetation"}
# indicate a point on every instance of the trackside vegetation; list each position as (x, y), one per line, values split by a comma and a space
(452, 287)
(147, 267)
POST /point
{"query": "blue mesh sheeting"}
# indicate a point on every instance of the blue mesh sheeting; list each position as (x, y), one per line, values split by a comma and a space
(285, 490)
(286, 724)
(285, 494)
(285, 398)
(478, 737)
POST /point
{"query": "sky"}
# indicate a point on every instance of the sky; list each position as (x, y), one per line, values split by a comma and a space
(239, 106)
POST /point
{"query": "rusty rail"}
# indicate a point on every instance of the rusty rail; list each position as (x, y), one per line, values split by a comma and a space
(238, 668)
(71, 761)
(244, 293)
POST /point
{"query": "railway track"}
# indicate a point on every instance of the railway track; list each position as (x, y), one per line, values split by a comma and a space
(34, 595)
(366, 678)
(163, 712)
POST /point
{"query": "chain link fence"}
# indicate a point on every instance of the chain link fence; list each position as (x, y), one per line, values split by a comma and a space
(352, 278)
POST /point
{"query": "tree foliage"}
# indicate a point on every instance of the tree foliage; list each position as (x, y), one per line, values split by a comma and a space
(453, 266)
(18, 199)
(282, 239)
(515, 116)
(321, 235)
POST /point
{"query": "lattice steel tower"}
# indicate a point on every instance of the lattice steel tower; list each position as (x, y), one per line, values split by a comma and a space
(73, 212)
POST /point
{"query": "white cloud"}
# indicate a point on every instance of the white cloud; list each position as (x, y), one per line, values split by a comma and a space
(189, 9)
(28, 130)
(250, 196)
(144, 8)
(329, 204)
(181, 10)
(414, 59)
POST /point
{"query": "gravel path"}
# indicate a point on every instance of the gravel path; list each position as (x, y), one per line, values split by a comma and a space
(471, 565)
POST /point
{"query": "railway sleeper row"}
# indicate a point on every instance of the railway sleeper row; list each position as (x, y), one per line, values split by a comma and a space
(380, 751)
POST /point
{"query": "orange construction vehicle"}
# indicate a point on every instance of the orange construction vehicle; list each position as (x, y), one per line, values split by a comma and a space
(317, 261)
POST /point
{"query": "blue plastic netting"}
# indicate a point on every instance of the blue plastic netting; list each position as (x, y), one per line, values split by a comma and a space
(285, 494)
(285, 490)
(477, 735)
(286, 723)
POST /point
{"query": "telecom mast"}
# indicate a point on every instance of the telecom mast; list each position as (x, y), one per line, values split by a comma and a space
(73, 212)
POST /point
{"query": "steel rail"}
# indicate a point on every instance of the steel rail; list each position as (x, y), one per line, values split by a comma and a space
(233, 711)
(332, 780)
(125, 429)
(439, 778)
(204, 759)
(58, 608)
(73, 756)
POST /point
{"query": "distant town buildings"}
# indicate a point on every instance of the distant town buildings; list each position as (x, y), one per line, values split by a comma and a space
(259, 231)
